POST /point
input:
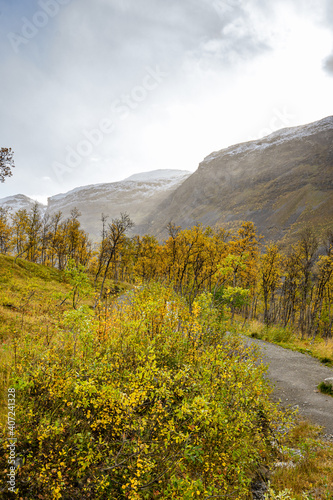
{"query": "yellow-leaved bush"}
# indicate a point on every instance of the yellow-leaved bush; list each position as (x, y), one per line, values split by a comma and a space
(162, 405)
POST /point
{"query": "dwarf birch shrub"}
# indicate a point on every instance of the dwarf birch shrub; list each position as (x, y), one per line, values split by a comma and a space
(161, 406)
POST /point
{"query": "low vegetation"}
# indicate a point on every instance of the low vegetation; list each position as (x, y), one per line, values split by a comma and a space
(326, 388)
(129, 383)
(319, 348)
(305, 468)
(148, 400)
(292, 289)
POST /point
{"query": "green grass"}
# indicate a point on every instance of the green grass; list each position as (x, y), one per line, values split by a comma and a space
(326, 388)
(319, 348)
(23, 269)
(30, 297)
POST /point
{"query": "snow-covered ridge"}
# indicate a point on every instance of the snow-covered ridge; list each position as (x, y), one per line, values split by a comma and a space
(14, 198)
(19, 201)
(278, 137)
(165, 174)
(145, 184)
(151, 181)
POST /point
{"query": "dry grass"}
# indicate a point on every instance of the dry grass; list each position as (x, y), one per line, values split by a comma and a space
(29, 298)
(6, 361)
(310, 460)
(319, 348)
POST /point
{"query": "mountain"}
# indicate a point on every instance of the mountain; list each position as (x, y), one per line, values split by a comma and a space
(280, 182)
(138, 195)
(18, 202)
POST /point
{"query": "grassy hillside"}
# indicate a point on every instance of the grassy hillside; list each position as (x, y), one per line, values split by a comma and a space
(30, 298)
(114, 198)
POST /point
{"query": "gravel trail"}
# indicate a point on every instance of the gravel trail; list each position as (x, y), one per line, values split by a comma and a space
(295, 377)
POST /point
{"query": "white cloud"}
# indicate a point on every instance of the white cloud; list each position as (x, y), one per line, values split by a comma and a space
(230, 64)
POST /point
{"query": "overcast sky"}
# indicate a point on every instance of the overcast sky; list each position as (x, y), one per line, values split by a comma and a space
(95, 90)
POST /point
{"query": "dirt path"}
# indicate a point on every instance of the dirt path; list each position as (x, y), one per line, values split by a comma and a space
(295, 378)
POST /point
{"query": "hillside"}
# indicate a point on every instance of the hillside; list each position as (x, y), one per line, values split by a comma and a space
(279, 182)
(91, 387)
(138, 195)
(27, 296)
(18, 202)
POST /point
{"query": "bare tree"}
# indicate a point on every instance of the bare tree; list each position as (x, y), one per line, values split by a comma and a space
(113, 240)
(6, 163)
(102, 255)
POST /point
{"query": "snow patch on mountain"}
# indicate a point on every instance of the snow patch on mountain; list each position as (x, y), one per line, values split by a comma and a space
(153, 175)
(147, 182)
(18, 202)
(274, 139)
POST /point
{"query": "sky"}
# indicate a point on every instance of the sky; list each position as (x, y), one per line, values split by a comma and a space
(94, 91)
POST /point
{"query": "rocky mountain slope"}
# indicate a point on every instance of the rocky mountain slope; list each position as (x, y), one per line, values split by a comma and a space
(137, 196)
(18, 202)
(279, 182)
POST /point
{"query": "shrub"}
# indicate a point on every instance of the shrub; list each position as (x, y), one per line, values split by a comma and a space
(156, 404)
